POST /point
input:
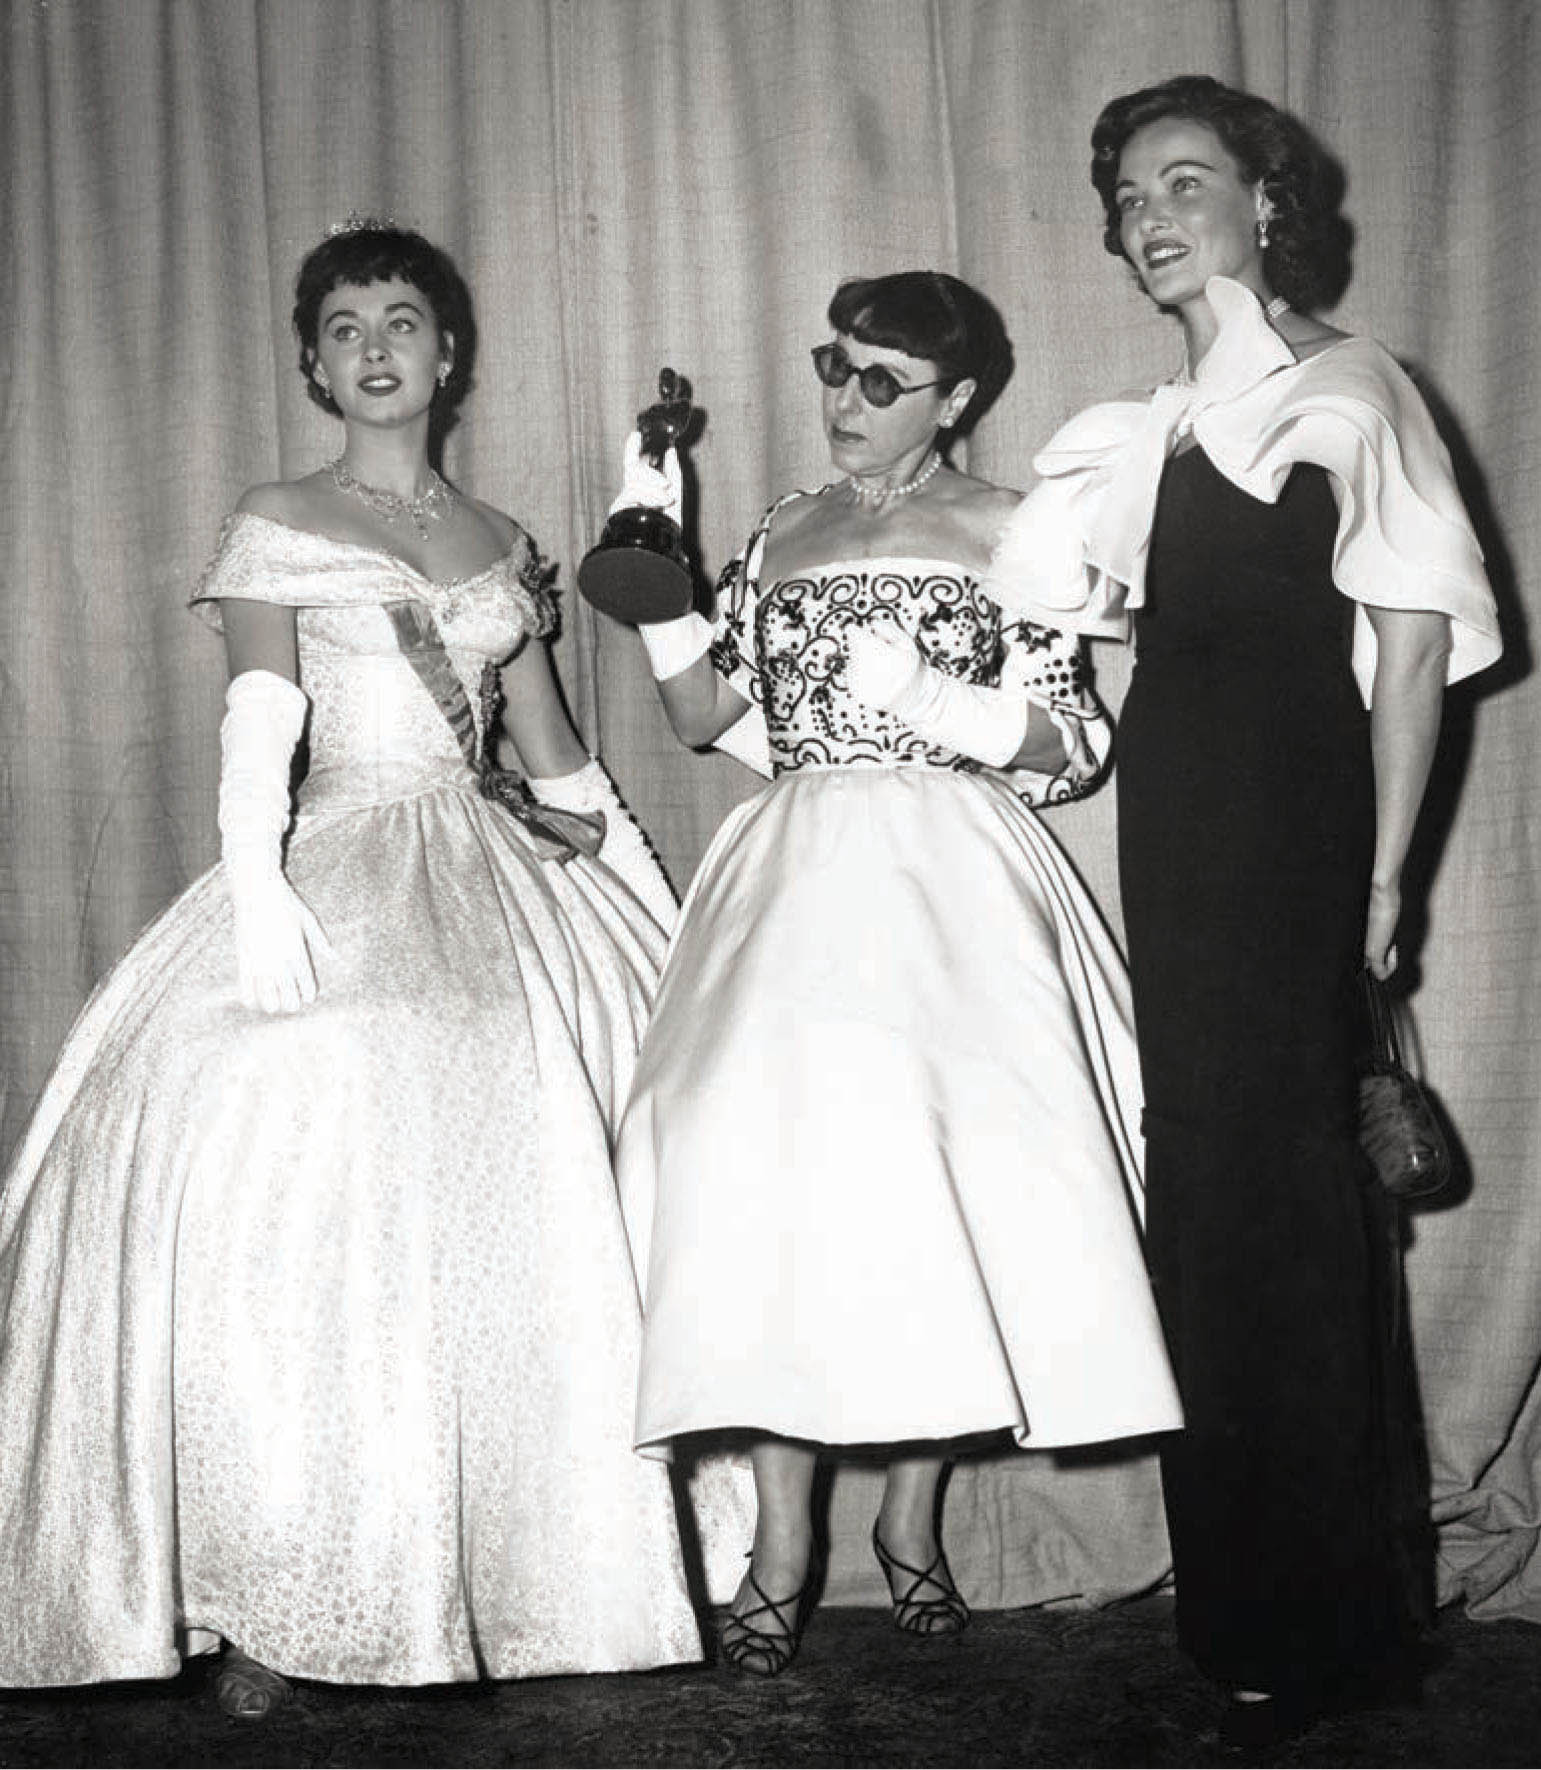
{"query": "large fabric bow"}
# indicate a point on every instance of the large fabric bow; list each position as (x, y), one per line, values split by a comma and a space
(1245, 352)
(1074, 552)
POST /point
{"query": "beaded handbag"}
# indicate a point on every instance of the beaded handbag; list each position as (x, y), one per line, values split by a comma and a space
(1397, 1127)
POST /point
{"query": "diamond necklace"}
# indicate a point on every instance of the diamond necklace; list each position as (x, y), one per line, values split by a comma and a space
(433, 506)
(866, 494)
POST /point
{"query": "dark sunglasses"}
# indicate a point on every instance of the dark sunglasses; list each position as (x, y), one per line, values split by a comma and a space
(879, 386)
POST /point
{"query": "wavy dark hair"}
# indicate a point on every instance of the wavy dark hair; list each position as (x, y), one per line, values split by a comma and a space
(1307, 256)
(937, 317)
(375, 254)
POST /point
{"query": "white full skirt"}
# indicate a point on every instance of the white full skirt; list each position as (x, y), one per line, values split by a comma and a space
(881, 1161)
(321, 1331)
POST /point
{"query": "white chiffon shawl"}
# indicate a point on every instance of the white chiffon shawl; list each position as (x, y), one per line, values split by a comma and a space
(1073, 553)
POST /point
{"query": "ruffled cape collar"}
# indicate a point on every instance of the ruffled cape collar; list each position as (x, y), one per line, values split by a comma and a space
(1074, 552)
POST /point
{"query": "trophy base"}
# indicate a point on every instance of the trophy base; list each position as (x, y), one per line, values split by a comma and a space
(638, 572)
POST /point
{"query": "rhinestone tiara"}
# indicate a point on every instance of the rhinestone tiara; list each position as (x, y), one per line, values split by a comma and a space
(354, 223)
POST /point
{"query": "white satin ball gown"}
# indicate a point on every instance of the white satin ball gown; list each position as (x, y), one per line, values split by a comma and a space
(883, 1144)
(320, 1331)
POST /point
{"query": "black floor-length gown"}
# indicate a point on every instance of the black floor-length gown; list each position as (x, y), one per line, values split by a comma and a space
(1246, 830)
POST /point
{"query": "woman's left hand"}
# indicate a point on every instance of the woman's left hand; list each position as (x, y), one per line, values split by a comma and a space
(1380, 953)
(882, 662)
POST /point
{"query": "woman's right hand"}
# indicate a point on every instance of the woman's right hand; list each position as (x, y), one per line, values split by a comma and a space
(654, 488)
(1380, 953)
(277, 939)
(882, 662)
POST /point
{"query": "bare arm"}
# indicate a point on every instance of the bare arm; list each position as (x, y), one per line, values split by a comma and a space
(260, 636)
(562, 774)
(700, 705)
(1043, 744)
(534, 718)
(1406, 704)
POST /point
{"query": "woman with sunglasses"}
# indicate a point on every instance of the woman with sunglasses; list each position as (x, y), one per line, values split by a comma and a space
(881, 1152)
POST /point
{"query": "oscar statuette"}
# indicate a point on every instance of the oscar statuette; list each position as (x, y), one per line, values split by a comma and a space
(638, 570)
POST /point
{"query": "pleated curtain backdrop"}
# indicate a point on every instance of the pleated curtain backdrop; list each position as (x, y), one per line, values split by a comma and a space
(629, 183)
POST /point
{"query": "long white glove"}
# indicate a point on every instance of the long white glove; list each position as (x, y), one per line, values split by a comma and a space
(625, 849)
(884, 668)
(276, 934)
(673, 646)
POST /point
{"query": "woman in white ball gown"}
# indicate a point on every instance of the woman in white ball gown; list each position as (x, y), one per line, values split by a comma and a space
(318, 1324)
(889, 1102)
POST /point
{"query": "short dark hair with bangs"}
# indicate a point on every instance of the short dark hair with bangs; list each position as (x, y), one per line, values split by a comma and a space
(936, 317)
(359, 256)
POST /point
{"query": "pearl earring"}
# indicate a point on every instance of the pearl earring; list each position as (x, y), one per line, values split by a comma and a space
(1262, 233)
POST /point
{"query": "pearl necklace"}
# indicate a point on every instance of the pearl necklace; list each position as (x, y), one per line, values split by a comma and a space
(865, 494)
(433, 506)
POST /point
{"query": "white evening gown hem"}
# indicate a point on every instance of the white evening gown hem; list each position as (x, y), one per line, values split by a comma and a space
(322, 1329)
(880, 1162)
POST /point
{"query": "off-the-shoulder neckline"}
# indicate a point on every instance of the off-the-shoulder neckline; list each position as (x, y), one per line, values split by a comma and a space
(385, 553)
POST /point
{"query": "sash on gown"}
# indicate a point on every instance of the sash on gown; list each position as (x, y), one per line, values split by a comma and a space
(558, 835)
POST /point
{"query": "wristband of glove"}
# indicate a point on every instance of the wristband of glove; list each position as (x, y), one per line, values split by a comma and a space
(673, 646)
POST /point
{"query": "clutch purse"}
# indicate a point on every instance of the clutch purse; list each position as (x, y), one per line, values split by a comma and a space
(1397, 1127)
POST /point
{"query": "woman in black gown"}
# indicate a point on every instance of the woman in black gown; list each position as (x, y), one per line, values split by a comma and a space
(1280, 524)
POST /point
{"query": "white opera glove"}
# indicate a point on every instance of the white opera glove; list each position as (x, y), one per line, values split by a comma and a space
(625, 850)
(673, 646)
(885, 669)
(654, 488)
(276, 934)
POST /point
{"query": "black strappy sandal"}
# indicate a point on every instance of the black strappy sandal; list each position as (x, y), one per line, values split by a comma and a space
(748, 1648)
(946, 1614)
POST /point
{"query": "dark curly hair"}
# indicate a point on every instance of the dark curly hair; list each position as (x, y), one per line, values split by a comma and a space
(1306, 259)
(375, 253)
(934, 316)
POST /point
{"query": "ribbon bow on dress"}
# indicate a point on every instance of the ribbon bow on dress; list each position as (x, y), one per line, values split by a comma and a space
(1080, 538)
(1246, 351)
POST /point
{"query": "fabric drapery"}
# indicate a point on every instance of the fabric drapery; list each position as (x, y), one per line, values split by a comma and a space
(629, 183)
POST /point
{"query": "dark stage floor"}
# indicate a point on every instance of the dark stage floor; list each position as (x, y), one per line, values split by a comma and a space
(1021, 1687)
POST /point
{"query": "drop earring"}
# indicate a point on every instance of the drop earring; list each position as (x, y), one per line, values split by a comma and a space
(1264, 216)
(444, 374)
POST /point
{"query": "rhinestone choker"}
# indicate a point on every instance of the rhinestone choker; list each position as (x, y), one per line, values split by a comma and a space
(433, 506)
(866, 494)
